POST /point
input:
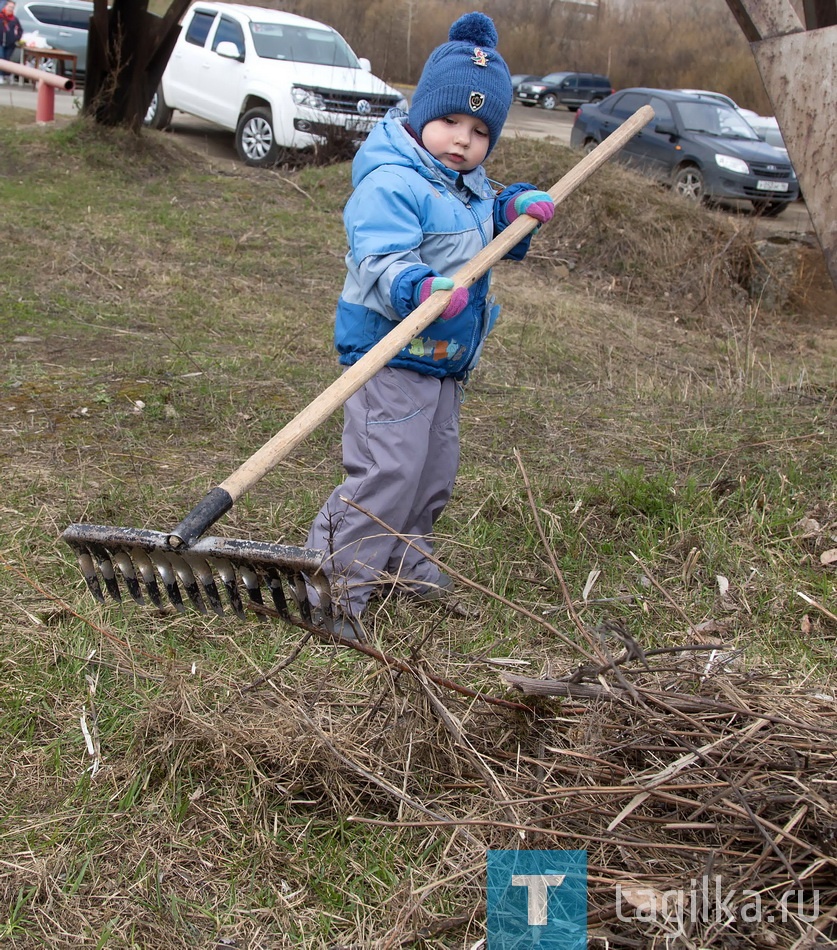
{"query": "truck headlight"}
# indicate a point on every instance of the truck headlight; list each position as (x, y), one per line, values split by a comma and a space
(306, 97)
(731, 164)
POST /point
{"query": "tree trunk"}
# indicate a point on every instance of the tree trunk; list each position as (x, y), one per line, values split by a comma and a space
(127, 51)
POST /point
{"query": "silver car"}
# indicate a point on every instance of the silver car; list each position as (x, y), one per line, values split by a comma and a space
(62, 23)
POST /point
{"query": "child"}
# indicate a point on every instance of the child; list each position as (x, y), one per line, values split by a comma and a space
(422, 207)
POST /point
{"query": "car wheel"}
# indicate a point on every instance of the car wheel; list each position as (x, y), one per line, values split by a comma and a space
(596, 99)
(158, 115)
(588, 146)
(255, 140)
(769, 209)
(688, 182)
(47, 65)
(549, 102)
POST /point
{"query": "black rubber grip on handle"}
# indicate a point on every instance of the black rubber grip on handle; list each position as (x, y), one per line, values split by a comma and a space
(213, 505)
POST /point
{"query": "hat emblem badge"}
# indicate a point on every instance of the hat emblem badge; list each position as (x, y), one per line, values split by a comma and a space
(480, 57)
(476, 101)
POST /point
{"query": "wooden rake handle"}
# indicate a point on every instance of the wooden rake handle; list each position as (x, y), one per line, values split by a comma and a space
(219, 500)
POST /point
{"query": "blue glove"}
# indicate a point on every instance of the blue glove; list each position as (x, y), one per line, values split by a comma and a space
(537, 204)
(458, 300)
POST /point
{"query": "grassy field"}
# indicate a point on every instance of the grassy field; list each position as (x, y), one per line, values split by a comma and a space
(648, 457)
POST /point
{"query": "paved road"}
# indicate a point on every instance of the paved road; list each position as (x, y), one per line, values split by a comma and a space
(521, 121)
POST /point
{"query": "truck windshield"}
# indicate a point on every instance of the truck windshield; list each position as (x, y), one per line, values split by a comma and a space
(302, 45)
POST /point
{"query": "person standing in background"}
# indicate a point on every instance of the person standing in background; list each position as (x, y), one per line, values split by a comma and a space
(10, 33)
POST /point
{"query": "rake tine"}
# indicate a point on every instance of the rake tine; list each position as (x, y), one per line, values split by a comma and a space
(105, 566)
(319, 582)
(187, 579)
(274, 585)
(227, 575)
(299, 592)
(204, 574)
(88, 570)
(251, 582)
(126, 566)
(166, 572)
(143, 564)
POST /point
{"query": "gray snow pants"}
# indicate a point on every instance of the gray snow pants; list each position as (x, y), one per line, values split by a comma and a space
(401, 455)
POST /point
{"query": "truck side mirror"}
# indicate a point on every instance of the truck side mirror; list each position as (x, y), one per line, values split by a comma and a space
(229, 50)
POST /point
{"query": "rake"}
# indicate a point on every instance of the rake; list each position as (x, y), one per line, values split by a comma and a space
(146, 563)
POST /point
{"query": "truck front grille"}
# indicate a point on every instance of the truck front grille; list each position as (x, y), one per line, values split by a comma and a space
(347, 103)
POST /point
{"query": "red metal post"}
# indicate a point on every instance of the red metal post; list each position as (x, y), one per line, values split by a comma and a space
(45, 105)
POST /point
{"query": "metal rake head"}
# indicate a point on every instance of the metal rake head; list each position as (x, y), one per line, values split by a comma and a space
(144, 561)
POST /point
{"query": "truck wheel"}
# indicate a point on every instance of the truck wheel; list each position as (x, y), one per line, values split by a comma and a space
(255, 140)
(549, 102)
(158, 114)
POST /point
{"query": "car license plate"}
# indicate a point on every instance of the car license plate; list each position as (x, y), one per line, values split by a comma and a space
(772, 185)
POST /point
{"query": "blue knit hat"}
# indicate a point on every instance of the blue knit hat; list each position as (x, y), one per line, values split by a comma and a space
(466, 75)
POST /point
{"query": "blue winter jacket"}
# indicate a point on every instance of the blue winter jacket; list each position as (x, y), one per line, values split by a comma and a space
(409, 218)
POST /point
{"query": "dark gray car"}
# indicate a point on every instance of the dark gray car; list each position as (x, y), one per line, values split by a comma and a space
(704, 149)
(563, 89)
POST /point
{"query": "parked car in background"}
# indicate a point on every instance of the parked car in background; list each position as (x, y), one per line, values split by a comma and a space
(518, 78)
(765, 125)
(563, 89)
(64, 24)
(702, 148)
(277, 80)
(719, 97)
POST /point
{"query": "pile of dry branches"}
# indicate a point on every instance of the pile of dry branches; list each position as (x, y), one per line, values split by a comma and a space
(702, 791)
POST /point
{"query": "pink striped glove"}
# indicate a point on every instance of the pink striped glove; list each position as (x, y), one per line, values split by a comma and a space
(537, 204)
(458, 301)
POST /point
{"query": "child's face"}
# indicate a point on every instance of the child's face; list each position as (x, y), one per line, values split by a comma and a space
(460, 142)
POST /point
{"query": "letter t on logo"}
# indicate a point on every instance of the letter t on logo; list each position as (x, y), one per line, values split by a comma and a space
(537, 885)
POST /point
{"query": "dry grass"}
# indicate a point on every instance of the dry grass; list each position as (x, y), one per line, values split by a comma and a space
(695, 762)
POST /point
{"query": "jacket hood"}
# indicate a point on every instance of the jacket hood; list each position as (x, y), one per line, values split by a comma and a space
(389, 143)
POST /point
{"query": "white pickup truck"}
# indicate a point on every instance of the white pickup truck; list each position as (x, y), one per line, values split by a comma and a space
(277, 80)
